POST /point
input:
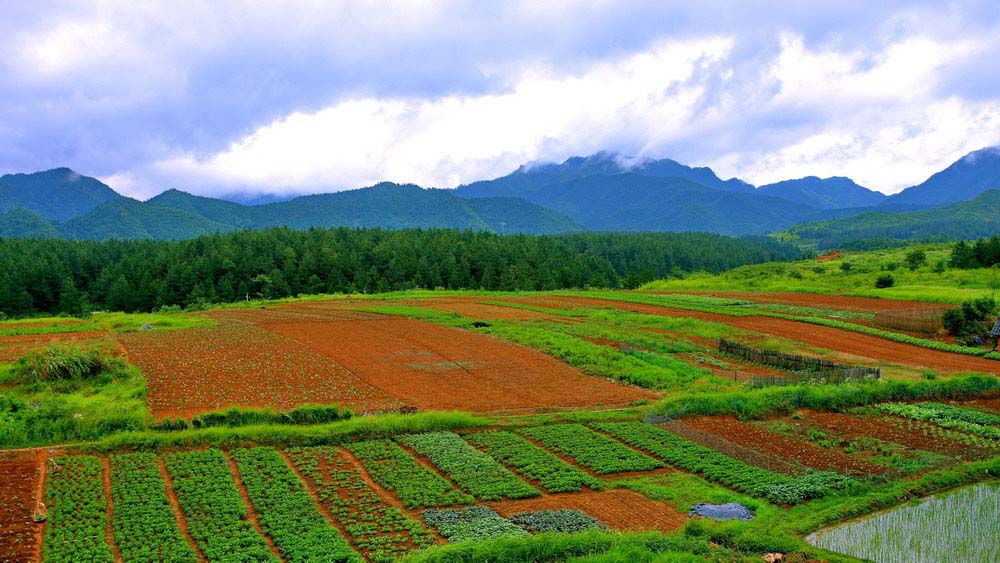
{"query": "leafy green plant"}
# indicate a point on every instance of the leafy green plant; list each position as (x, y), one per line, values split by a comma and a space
(554, 474)
(473, 470)
(74, 530)
(216, 516)
(564, 521)
(475, 523)
(946, 417)
(594, 451)
(62, 362)
(287, 512)
(380, 531)
(396, 470)
(144, 525)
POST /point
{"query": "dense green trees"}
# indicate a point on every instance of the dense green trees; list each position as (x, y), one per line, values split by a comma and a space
(984, 253)
(61, 276)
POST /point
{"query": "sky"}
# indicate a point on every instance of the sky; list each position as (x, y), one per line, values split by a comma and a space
(223, 97)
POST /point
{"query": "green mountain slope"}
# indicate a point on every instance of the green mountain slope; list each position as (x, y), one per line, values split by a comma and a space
(824, 193)
(25, 224)
(56, 195)
(971, 175)
(968, 219)
(130, 219)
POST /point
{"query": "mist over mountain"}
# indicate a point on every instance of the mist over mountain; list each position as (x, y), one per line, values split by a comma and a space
(600, 192)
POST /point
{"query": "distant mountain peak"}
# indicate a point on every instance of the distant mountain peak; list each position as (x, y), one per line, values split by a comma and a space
(973, 156)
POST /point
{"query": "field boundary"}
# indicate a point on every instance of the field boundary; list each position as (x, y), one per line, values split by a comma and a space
(804, 365)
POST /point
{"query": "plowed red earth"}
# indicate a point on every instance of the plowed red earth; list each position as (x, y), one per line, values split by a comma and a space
(18, 485)
(910, 433)
(197, 370)
(848, 342)
(817, 300)
(478, 310)
(14, 347)
(429, 366)
(620, 509)
(810, 455)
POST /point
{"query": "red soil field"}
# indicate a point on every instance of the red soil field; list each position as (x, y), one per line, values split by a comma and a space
(991, 404)
(203, 369)
(620, 509)
(432, 367)
(818, 300)
(19, 535)
(848, 342)
(810, 455)
(478, 310)
(15, 347)
(910, 433)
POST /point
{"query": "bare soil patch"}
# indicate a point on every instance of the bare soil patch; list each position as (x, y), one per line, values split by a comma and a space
(818, 300)
(15, 347)
(810, 455)
(620, 509)
(236, 363)
(432, 367)
(19, 534)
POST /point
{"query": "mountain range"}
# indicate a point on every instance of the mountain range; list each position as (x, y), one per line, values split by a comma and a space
(601, 192)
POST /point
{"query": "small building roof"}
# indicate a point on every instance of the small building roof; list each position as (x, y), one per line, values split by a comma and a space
(995, 331)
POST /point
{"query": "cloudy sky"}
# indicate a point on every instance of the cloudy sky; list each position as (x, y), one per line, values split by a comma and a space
(221, 97)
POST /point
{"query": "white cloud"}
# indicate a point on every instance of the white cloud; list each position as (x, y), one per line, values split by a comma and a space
(455, 139)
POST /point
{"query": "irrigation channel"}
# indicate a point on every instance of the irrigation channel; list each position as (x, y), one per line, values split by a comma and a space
(960, 525)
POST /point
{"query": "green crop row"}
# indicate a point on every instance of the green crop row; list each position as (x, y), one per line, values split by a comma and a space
(564, 521)
(216, 516)
(960, 413)
(943, 419)
(554, 474)
(415, 485)
(473, 470)
(143, 522)
(595, 451)
(720, 468)
(475, 523)
(77, 511)
(380, 531)
(287, 512)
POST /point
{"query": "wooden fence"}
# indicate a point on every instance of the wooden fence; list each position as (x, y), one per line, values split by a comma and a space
(802, 367)
(921, 320)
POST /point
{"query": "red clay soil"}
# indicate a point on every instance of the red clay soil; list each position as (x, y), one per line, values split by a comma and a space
(818, 300)
(478, 310)
(910, 433)
(175, 507)
(432, 367)
(19, 535)
(810, 455)
(109, 534)
(197, 370)
(15, 347)
(844, 341)
(991, 404)
(620, 509)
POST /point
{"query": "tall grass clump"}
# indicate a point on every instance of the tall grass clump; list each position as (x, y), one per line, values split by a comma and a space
(60, 362)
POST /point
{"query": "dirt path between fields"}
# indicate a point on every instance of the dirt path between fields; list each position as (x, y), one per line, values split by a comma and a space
(251, 511)
(175, 506)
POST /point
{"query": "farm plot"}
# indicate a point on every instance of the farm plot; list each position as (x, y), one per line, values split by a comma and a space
(473, 470)
(19, 474)
(475, 523)
(396, 470)
(17, 346)
(216, 517)
(77, 511)
(592, 450)
(853, 343)
(760, 439)
(202, 369)
(143, 522)
(619, 509)
(433, 367)
(716, 467)
(566, 520)
(554, 474)
(945, 416)
(906, 432)
(380, 531)
(287, 512)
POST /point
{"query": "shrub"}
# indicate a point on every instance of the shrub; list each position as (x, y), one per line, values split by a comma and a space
(885, 281)
(970, 318)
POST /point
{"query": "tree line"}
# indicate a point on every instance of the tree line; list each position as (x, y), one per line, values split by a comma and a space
(75, 277)
(984, 253)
